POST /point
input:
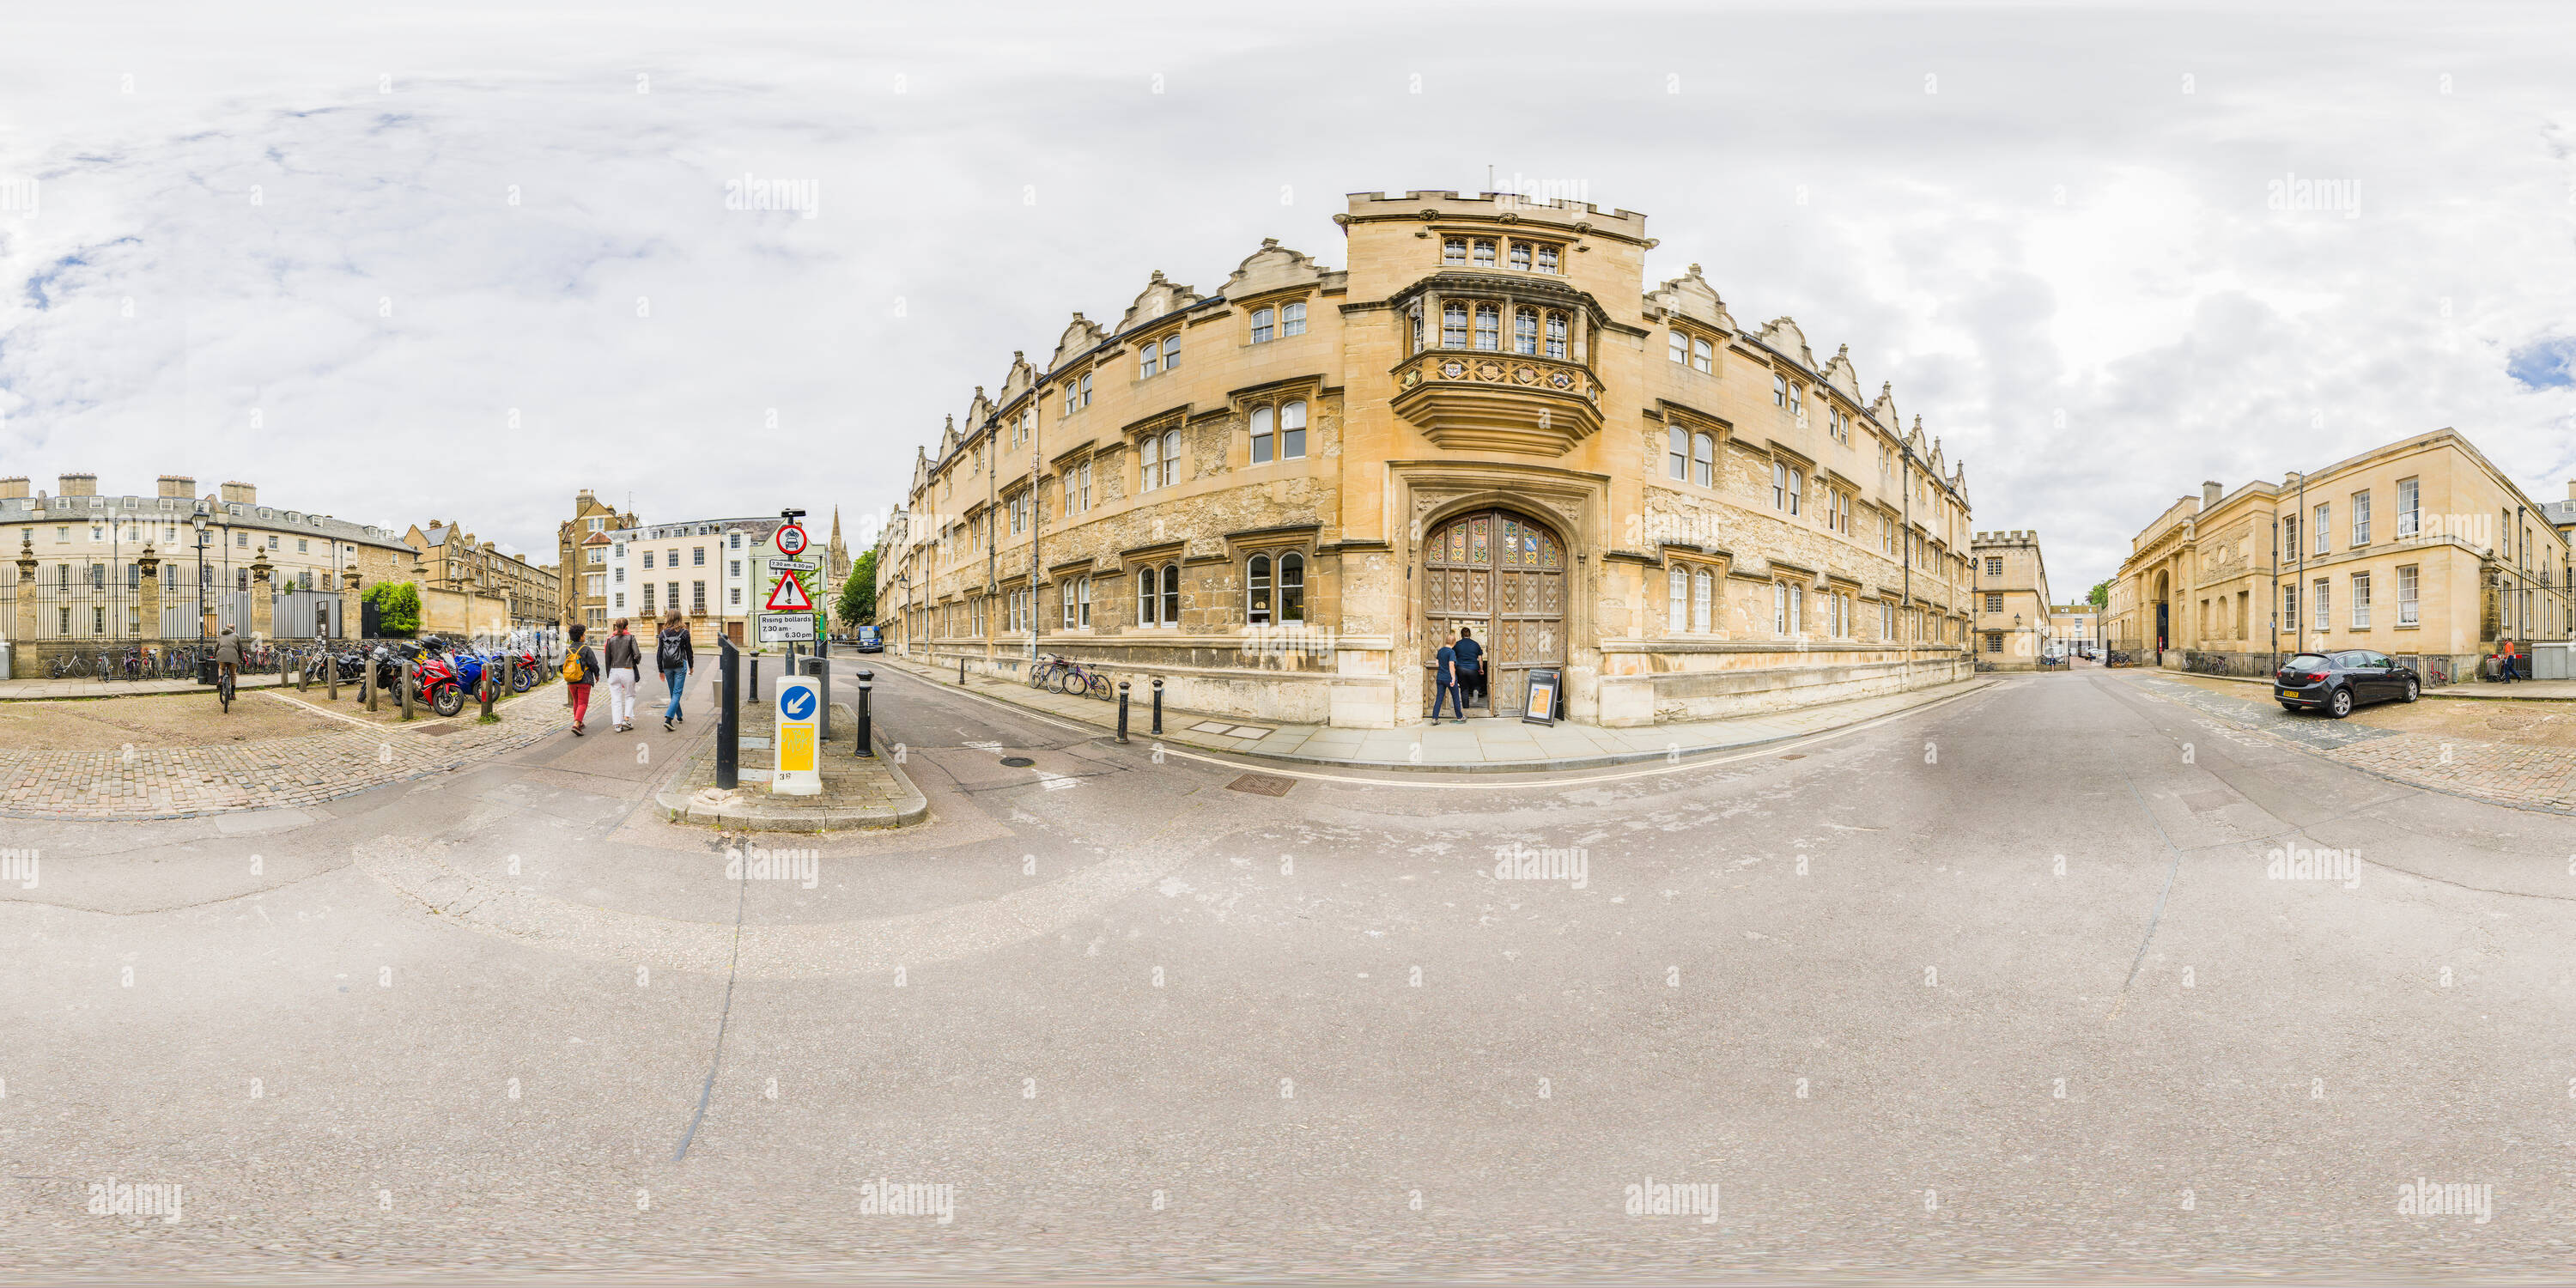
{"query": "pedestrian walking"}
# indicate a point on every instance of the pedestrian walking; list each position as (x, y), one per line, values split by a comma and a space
(625, 669)
(1448, 681)
(2505, 661)
(674, 656)
(580, 671)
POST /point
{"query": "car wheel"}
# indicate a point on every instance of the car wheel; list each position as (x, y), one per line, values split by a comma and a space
(2414, 690)
(2339, 704)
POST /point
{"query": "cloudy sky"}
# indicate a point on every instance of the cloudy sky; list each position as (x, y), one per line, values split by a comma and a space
(395, 263)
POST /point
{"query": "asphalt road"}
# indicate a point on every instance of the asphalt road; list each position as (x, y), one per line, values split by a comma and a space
(1999, 987)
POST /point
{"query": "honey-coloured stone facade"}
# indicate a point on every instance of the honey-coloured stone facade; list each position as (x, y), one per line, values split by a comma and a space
(1279, 497)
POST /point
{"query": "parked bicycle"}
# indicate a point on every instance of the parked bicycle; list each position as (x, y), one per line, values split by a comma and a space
(1079, 680)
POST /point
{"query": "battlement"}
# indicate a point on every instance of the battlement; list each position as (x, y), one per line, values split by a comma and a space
(1537, 203)
(2014, 537)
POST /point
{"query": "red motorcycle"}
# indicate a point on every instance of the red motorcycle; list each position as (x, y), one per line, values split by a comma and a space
(434, 680)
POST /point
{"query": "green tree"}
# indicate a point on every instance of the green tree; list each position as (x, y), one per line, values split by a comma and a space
(858, 602)
(2101, 595)
(397, 607)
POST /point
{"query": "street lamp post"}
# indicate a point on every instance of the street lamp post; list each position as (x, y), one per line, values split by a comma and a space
(199, 522)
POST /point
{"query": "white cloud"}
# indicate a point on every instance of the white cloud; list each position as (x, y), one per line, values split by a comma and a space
(2186, 330)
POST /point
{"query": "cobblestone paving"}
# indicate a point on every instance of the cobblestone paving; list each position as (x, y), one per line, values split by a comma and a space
(275, 773)
(2525, 777)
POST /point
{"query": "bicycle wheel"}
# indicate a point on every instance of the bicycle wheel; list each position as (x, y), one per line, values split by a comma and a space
(224, 690)
(1063, 680)
(1101, 688)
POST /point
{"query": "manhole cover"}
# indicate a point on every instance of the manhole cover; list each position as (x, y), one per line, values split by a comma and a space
(1262, 784)
(1017, 762)
(436, 730)
(1795, 755)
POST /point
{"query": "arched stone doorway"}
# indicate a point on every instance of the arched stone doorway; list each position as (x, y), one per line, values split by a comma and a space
(2164, 613)
(1501, 575)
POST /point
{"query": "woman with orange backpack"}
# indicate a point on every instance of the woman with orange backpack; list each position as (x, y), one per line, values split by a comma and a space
(580, 671)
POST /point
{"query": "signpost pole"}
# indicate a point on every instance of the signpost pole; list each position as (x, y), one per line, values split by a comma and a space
(729, 716)
(867, 682)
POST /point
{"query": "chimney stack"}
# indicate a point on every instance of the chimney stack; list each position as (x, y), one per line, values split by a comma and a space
(79, 485)
(13, 487)
(178, 485)
(2209, 494)
(240, 493)
(2571, 489)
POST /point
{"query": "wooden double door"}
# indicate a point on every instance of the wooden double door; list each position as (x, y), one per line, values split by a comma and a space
(1501, 575)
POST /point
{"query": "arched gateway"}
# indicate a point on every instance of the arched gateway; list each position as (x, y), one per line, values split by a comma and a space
(1500, 574)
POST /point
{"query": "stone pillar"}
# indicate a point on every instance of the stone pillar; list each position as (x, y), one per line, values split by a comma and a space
(25, 628)
(148, 611)
(350, 615)
(263, 608)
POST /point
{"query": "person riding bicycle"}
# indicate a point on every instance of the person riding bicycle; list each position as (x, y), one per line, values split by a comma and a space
(228, 654)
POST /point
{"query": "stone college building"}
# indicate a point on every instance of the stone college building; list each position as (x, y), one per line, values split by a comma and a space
(1281, 497)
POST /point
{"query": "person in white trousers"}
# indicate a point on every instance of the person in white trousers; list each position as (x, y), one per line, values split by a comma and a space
(625, 662)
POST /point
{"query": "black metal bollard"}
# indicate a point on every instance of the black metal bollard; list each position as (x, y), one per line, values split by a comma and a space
(754, 695)
(728, 722)
(1122, 711)
(1158, 706)
(961, 670)
(867, 681)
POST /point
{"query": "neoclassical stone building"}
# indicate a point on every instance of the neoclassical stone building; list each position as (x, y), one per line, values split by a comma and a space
(1280, 496)
(2420, 549)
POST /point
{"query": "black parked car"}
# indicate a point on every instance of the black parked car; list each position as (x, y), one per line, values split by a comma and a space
(2338, 682)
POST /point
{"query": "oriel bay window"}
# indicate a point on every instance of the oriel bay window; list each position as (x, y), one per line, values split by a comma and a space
(1489, 327)
(1453, 325)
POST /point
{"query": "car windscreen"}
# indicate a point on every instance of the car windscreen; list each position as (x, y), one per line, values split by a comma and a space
(2306, 662)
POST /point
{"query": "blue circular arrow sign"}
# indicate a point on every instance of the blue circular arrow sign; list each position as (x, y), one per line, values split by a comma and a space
(796, 702)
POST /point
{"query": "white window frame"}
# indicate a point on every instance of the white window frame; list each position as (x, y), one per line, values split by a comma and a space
(2320, 607)
(1676, 599)
(2410, 499)
(2361, 600)
(2361, 518)
(2409, 578)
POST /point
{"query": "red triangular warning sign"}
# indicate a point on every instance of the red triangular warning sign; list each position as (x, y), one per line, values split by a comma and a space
(790, 596)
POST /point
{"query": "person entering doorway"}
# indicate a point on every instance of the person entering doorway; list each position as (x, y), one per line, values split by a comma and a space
(1471, 668)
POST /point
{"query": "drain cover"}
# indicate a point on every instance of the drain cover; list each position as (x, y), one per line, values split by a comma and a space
(1262, 784)
(1795, 755)
(1017, 762)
